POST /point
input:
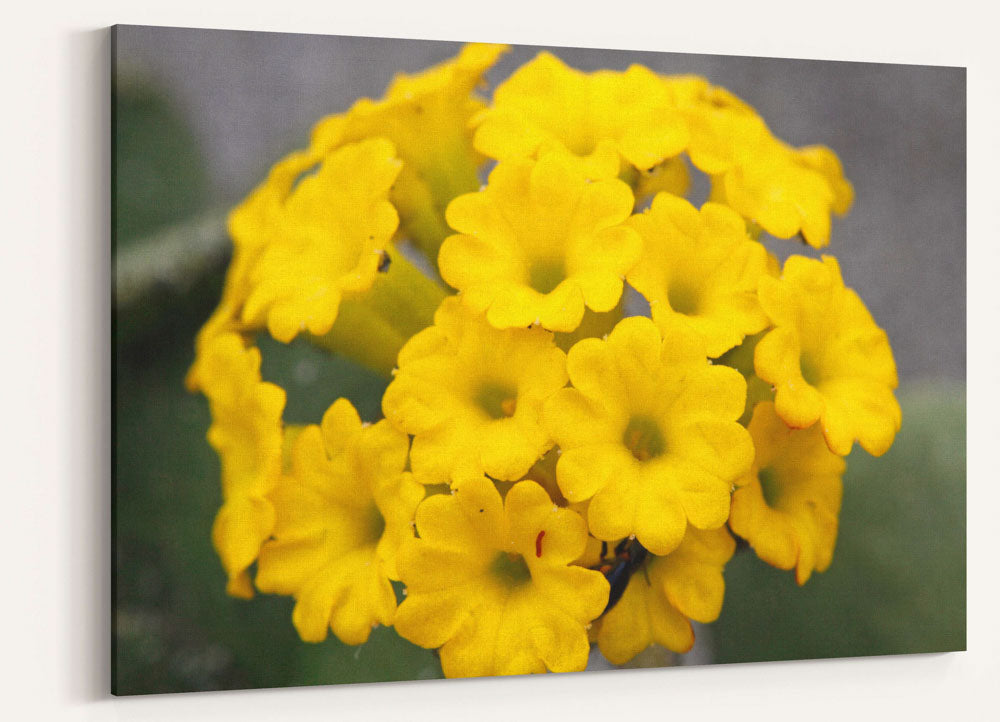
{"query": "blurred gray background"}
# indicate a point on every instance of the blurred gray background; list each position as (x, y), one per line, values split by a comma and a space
(900, 131)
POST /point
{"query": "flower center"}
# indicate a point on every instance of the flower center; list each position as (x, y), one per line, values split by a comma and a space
(582, 143)
(643, 438)
(497, 400)
(810, 371)
(769, 487)
(546, 274)
(683, 299)
(376, 524)
(510, 569)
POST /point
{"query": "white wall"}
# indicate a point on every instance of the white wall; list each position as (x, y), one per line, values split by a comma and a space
(54, 302)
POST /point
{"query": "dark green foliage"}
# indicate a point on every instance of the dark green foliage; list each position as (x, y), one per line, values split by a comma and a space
(897, 582)
(159, 174)
(176, 628)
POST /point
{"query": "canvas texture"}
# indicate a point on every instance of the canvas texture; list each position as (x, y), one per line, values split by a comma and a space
(464, 360)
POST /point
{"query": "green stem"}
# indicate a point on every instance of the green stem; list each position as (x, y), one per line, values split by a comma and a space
(424, 192)
(372, 328)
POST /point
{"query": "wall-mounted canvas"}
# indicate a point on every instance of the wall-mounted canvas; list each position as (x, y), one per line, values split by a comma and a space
(439, 359)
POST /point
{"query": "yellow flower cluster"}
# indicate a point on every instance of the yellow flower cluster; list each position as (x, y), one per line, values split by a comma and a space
(550, 472)
(634, 122)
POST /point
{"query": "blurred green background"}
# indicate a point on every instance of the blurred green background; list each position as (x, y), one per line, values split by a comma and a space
(897, 583)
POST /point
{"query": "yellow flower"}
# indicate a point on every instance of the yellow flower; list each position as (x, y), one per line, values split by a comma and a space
(782, 189)
(325, 241)
(825, 162)
(471, 396)
(598, 117)
(427, 117)
(341, 516)
(787, 191)
(665, 594)
(701, 269)
(722, 129)
(649, 431)
(671, 176)
(539, 243)
(246, 432)
(250, 225)
(827, 359)
(490, 582)
(787, 506)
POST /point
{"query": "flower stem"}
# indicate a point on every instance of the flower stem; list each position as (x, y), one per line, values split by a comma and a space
(422, 193)
(372, 328)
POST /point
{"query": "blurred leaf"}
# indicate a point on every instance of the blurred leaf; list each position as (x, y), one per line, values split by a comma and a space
(313, 379)
(385, 657)
(175, 628)
(897, 582)
(158, 174)
(167, 574)
(159, 181)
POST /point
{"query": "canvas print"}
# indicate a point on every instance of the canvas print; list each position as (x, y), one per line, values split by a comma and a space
(440, 360)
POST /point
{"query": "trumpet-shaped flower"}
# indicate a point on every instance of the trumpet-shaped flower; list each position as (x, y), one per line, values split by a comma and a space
(787, 191)
(826, 358)
(787, 506)
(599, 117)
(539, 243)
(665, 594)
(340, 517)
(246, 432)
(427, 117)
(701, 269)
(471, 395)
(326, 241)
(782, 189)
(649, 433)
(825, 162)
(491, 583)
(250, 227)
(723, 130)
(671, 176)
